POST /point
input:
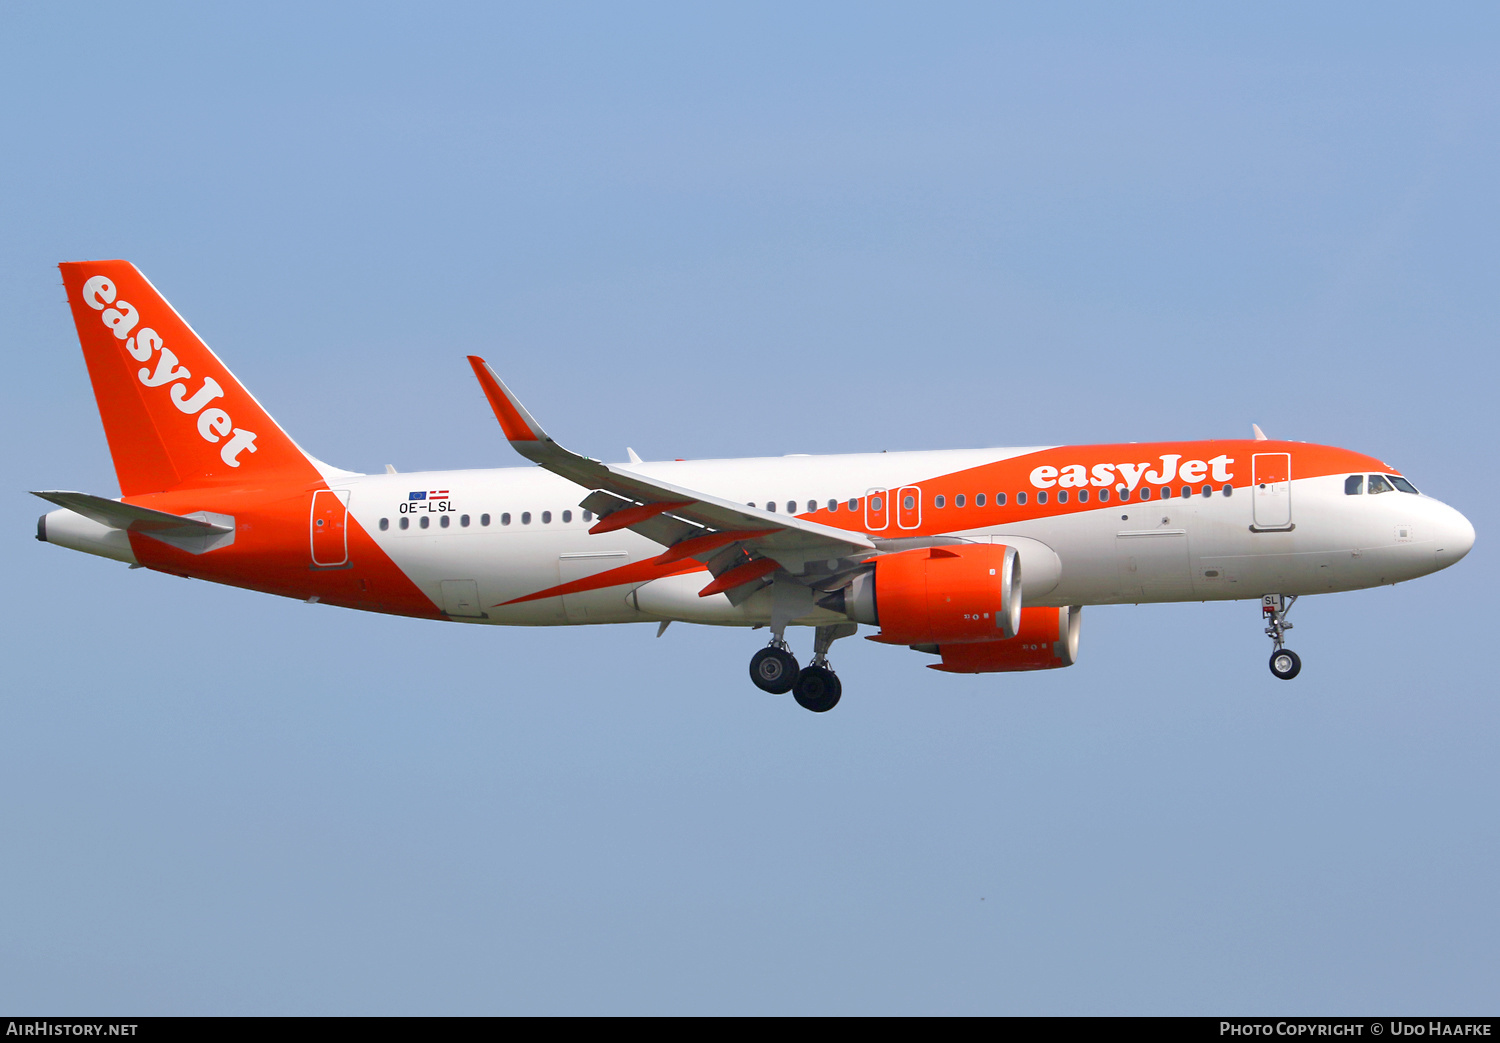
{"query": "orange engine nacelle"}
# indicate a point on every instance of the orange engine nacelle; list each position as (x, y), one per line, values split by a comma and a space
(1048, 639)
(940, 595)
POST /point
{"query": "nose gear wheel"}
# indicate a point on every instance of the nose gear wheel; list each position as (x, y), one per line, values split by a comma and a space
(1285, 663)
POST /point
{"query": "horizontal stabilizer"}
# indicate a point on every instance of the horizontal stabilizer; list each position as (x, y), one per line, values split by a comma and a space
(198, 534)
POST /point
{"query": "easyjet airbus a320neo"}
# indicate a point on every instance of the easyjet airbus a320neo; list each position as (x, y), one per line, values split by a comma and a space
(983, 558)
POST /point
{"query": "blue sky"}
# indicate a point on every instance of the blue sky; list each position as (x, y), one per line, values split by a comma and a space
(705, 233)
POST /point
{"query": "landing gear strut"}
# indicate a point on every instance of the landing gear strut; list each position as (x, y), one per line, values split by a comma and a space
(1285, 663)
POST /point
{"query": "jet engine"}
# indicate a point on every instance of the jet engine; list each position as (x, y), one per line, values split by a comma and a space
(937, 595)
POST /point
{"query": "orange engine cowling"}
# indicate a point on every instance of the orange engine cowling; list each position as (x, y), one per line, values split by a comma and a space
(1048, 639)
(940, 595)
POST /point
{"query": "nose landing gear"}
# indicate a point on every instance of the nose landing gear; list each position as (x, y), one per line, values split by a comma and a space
(1285, 663)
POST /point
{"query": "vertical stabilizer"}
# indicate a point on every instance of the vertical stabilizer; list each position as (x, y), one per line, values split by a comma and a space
(174, 415)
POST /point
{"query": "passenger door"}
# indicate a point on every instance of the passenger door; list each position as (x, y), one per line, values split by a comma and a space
(329, 525)
(1271, 493)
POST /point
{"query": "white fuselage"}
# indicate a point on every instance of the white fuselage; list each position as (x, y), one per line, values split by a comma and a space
(1197, 548)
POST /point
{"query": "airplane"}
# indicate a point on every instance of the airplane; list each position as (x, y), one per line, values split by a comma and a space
(983, 558)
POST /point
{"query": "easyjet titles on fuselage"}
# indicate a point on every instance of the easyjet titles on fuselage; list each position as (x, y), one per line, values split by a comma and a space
(1173, 467)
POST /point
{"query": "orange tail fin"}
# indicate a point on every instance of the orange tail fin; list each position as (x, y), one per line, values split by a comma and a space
(173, 413)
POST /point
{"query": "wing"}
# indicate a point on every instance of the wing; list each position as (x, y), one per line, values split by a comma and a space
(740, 545)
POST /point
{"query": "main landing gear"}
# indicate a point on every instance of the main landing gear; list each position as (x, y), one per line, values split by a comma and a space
(774, 668)
(1285, 663)
(815, 687)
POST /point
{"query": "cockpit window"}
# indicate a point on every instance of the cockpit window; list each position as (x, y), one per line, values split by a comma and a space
(1403, 484)
(1378, 484)
(1354, 485)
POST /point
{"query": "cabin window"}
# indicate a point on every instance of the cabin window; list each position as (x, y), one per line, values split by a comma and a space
(588, 516)
(1020, 499)
(877, 504)
(1208, 490)
(567, 516)
(812, 505)
(854, 504)
(1145, 492)
(1083, 496)
(1041, 497)
(833, 505)
(1228, 490)
(1166, 492)
(771, 506)
(1378, 485)
(463, 519)
(484, 519)
(1403, 484)
(1103, 495)
(978, 500)
(959, 501)
(385, 523)
(791, 507)
(1062, 496)
(909, 502)
(940, 500)
(1187, 491)
(424, 521)
(525, 517)
(443, 521)
(405, 523)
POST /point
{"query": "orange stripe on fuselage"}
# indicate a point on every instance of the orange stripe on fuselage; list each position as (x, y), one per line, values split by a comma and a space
(1013, 476)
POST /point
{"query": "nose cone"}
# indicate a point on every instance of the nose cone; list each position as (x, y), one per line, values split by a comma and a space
(1455, 537)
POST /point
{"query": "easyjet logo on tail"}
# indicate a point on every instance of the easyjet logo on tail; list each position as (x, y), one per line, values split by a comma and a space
(214, 424)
